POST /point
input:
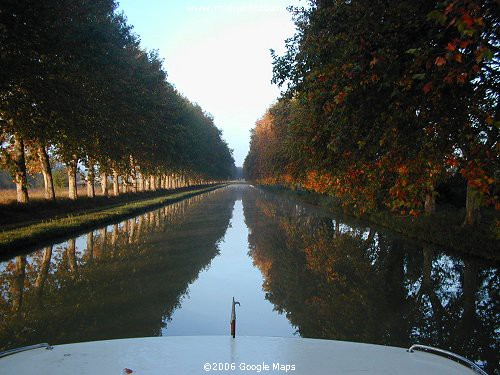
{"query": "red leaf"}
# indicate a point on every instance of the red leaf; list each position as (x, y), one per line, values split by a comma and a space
(440, 61)
(448, 79)
(127, 371)
(468, 20)
(464, 43)
(427, 88)
(461, 78)
(451, 47)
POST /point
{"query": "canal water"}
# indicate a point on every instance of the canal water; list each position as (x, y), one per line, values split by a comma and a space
(296, 270)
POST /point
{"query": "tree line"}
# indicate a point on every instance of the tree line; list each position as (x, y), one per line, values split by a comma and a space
(383, 101)
(77, 88)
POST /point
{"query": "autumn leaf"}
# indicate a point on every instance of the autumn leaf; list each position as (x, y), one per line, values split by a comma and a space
(451, 47)
(440, 61)
(461, 78)
(468, 20)
(448, 79)
(464, 43)
(427, 87)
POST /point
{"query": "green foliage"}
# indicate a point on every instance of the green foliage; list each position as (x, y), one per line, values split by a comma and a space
(75, 78)
(60, 177)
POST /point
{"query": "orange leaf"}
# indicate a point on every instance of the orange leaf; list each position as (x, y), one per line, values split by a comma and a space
(451, 47)
(458, 57)
(427, 88)
(440, 61)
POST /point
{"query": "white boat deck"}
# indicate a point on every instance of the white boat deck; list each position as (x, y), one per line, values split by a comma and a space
(225, 355)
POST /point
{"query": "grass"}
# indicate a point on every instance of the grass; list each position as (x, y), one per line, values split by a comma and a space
(69, 218)
(14, 215)
(443, 229)
(8, 196)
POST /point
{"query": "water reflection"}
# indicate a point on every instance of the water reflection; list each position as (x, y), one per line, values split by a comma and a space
(345, 281)
(124, 280)
(330, 278)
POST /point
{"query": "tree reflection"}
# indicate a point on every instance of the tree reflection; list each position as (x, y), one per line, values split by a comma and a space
(344, 281)
(116, 282)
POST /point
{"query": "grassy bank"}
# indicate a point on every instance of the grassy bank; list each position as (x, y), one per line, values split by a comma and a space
(72, 218)
(444, 229)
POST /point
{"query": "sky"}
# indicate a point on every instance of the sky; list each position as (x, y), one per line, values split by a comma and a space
(216, 53)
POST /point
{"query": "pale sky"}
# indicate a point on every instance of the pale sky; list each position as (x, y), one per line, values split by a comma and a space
(217, 54)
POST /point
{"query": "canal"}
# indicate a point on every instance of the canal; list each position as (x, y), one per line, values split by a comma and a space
(296, 270)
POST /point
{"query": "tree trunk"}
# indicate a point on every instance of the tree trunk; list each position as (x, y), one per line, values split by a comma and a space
(104, 183)
(140, 184)
(469, 289)
(20, 170)
(44, 271)
(152, 183)
(90, 180)
(139, 227)
(131, 230)
(124, 184)
(430, 204)
(134, 182)
(100, 250)
(116, 186)
(17, 285)
(90, 246)
(114, 235)
(133, 175)
(46, 172)
(72, 189)
(472, 207)
(71, 253)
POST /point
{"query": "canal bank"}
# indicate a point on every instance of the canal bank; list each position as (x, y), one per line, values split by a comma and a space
(443, 229)
(39, 233)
